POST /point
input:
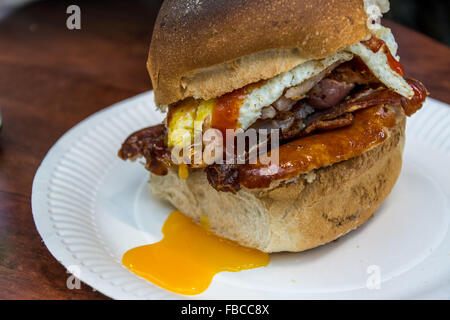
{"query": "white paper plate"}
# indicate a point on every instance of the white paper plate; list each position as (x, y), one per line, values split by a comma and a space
(90, 207)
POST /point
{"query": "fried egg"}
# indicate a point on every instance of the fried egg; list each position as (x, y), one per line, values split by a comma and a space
(386, 35)
(378, 64)
(274, 88)
(182, 126)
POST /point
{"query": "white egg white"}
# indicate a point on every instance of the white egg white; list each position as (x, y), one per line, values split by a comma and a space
(274, 88)
(378, 64)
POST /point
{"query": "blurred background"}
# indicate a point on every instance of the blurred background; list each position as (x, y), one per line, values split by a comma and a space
(430, 17)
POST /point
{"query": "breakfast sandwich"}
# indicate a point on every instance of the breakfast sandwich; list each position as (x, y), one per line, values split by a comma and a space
(314, 91)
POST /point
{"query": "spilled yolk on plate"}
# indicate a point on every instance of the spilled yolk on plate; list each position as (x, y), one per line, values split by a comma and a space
(188, 257)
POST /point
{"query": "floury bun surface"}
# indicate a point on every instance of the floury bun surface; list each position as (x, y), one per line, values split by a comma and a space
(208, 48)
(194, 54)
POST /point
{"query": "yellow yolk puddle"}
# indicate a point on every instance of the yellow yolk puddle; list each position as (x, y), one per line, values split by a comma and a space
(188, 257)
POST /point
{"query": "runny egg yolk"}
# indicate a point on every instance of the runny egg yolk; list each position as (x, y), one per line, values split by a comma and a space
(186, 118)
(188, 257)
(183, 171)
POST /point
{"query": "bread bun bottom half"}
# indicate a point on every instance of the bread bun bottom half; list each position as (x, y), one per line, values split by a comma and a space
(297, 214)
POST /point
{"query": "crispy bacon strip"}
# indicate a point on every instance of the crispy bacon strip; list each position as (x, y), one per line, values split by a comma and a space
(333, 118)
(373, 97)
(150, 144)
(320, 125)
(223, 177)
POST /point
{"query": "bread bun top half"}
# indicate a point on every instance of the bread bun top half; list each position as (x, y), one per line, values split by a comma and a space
(206, 48)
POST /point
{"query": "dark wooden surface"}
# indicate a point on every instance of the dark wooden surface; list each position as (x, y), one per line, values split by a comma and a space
(52, 78)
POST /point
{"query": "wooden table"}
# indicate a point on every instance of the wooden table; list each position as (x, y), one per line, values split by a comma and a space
(52, 78)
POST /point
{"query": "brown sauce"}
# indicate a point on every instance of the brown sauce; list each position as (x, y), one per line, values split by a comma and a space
(370, 128)
(226, 110)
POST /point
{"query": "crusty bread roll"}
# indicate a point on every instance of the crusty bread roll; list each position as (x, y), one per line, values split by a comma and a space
(298, 214)
(207, 48)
